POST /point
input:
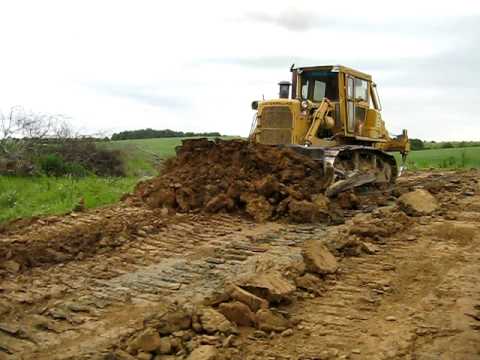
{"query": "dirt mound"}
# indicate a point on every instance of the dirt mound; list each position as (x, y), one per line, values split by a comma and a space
(237, 176)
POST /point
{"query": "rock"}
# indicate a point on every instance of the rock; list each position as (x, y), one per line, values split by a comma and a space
(348, 200)
(219, 202)
(259, 208)
(254, 302)
(286, 333)
(318, 258)
(148, 340)
(259, 334)
(209, 340)
(310, 282)
(269, 321)
(185, 198)
(122, 355)
(391, 318)
(238, 313)
(369, 248)
(11, 266)
(321, 201)
(267, 186)
(161, 198)
(270, 286)
(213, 321)
(418, 202)
(229, 341)
(306, 212)
(144, 356)
(204, 352)
(164, 347)
(173, 320)
(165, 357)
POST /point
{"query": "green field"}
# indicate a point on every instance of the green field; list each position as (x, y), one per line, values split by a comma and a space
(30, 196)
(454, 158)
(143, 156)
(25, 197)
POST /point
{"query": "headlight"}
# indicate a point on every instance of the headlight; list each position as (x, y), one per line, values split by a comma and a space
(304, 105)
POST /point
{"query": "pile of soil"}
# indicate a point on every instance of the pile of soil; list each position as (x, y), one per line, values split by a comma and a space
(263, 181)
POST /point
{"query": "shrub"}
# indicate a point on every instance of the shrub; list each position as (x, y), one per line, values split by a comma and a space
(55, 165)
(52, 165)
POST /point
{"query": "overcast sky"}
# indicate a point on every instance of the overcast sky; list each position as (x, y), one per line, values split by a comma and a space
(197, 65)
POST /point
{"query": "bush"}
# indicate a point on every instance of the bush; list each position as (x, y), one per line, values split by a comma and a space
(52, 165)
(55, 165)
(78, 157)
(417, 144)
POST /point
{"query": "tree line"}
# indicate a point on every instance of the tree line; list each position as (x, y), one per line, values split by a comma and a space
(151, 134)
(418, 144)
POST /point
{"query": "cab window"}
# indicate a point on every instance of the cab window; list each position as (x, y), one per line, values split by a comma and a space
(361, 90)
(317, 85)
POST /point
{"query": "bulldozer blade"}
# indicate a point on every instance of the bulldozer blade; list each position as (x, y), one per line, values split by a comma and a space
(356, 179)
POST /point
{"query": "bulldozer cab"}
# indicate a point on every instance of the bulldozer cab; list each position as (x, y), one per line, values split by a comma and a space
(349, 91)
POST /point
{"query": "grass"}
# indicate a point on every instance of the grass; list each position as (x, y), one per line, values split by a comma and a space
(26, 197)
(143, 156)
(30, 196)
(453, 158)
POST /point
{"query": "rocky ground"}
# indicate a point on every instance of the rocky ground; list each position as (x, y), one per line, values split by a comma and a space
(396, 275)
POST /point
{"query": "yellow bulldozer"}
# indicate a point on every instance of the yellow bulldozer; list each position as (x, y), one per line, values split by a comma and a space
(333, 114)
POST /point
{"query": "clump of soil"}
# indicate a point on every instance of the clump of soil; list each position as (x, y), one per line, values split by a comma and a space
(263, 181)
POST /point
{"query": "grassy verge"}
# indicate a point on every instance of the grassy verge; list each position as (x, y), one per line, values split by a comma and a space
(143, 156)
(455, 158)
(26, 197)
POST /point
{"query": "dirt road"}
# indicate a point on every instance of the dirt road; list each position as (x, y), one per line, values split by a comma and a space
(406, 287)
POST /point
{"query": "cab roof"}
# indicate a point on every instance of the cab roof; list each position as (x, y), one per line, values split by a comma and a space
(337, 68)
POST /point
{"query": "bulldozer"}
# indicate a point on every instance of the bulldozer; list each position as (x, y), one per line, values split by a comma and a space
(332, 113)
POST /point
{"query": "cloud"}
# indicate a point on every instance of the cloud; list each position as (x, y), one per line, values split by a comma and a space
(291, 19)
(144, 95)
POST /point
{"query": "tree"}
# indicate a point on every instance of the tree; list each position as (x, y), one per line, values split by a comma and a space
(417, 144)
(19, 128)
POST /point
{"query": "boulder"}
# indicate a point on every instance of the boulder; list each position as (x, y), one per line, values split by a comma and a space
(270, 286)
(318, 259)
(144, 356)
(238, 313)
(171, 321)
(148, 340)
(267, 186)
(258, 207)
(165, 346)
(254, 302)
(321, 201)
(418, 202)
(269, 321)
(212, 321)
(218, 203)
(306, 211)
(310, 282)
(204, 352)
(121, 355)
(11, 266)
(348, 200)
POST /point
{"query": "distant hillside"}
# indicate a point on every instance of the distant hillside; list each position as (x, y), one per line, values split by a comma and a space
(154, 134)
